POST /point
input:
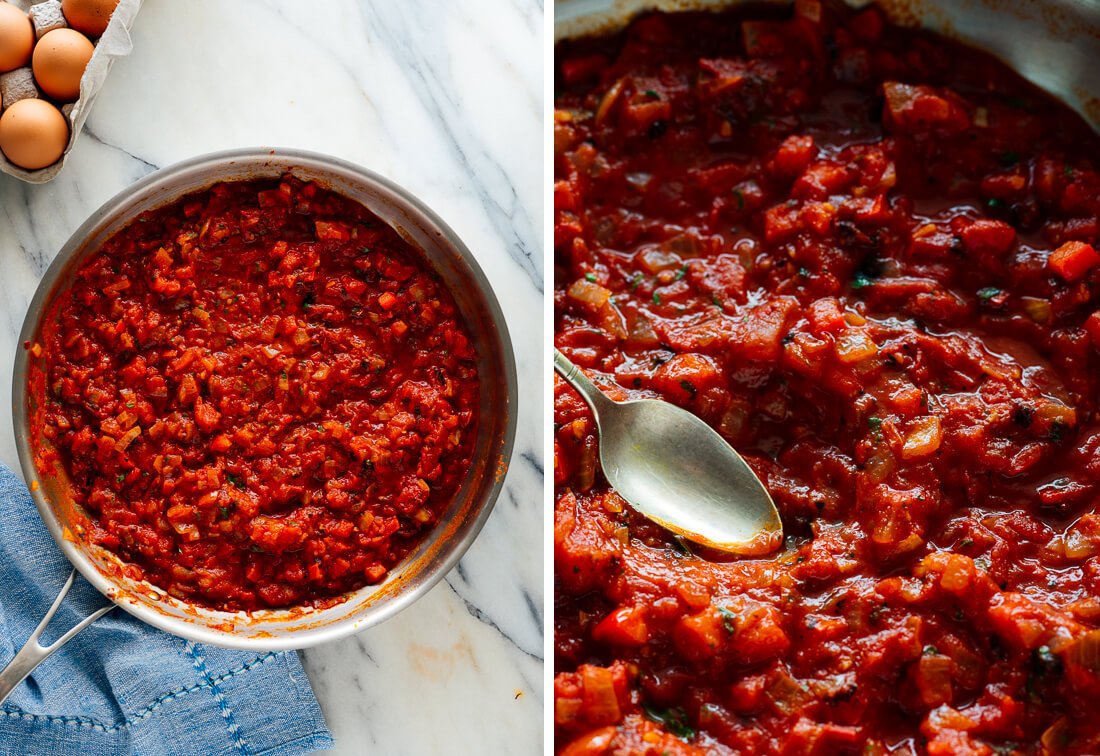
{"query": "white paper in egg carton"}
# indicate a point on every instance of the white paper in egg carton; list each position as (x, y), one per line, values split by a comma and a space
(115, 43)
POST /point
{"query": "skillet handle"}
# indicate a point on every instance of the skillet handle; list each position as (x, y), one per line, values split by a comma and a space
(33, 653)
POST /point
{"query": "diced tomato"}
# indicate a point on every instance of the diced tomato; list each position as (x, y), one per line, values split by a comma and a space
(1073, 260)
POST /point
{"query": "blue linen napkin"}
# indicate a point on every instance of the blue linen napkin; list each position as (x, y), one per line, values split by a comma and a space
(124, 687)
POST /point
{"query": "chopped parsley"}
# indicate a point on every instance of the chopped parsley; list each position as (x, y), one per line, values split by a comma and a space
(674, 720)
(1057, 429)
(861, 280)
(729, 619)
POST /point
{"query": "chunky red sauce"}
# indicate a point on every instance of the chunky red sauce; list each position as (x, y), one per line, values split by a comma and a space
(262, 394)
(865, 255)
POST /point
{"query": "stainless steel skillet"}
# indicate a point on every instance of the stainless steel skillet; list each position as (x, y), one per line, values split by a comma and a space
(293, 627)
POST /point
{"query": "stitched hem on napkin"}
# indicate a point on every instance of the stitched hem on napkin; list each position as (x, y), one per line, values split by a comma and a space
(252, 743)
(95, 724)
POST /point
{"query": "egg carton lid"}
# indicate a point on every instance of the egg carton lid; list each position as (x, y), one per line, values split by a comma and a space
(115, 43)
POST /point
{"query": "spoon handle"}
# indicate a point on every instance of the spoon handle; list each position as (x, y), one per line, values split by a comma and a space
(576, 378)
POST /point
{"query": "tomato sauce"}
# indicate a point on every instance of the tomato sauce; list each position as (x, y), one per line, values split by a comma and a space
(867, 257)
(263, 396)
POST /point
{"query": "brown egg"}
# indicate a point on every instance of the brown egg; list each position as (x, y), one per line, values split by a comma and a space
(59, 60)
(33, 134)
(89, 16)
(16, 37)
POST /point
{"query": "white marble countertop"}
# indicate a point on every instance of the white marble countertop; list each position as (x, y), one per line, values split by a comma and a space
(444, 98)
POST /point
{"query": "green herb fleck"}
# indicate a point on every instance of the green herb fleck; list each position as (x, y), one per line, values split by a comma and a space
(993, 203)
(689, 387)
(930, 650)
(235, 480)
(652, 94)
(740, 197)
(223, 512)
(874, 423)
(636, 281)
(1057, 429)
(682, 272)
(674, 720)
(1045, 662)
(656, 298)
(129, 405)
(729, 619)
(988, 293)
(590, 277)
(861, 281)
(1010, 158)
(120, 477)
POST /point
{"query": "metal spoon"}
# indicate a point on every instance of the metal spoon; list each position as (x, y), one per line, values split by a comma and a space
(677, 471)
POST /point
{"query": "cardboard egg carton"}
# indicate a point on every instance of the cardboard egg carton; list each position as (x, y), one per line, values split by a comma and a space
(115, 43)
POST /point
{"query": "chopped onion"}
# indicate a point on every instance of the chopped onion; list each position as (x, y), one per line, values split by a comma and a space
(855, 346)
(925, 437)
(127, 438)
(590, 294)
(599, 694)
(1037, 309)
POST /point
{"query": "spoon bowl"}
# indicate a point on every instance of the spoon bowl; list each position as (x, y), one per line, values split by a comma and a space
(677, 471)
